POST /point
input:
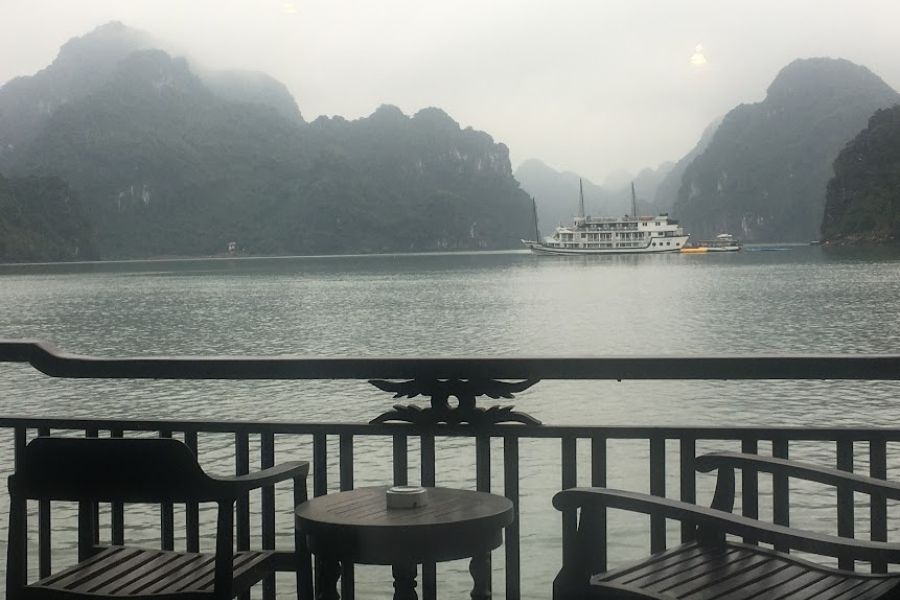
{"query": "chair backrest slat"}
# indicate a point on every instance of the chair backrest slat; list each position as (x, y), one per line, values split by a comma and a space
(149, 470)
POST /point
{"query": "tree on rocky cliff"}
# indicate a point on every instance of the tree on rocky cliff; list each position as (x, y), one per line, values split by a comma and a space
(863, 198)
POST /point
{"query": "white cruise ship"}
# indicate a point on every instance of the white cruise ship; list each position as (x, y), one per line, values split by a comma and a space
(612, 235)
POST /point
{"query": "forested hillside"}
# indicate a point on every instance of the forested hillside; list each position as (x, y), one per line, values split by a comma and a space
(863, 199)
(169, 162)
(41, 220)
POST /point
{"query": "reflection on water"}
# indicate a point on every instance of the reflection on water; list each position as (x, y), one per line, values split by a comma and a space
(801, 300)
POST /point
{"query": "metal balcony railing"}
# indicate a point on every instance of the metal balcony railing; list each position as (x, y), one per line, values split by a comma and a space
(498, 435)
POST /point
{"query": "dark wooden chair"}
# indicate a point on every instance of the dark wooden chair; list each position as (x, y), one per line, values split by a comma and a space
(715, 567)
(90, 470)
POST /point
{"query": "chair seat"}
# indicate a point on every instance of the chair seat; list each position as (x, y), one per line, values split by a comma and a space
(739, 572)
(121, 571)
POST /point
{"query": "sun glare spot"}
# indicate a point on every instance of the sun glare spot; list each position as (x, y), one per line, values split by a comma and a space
(289, 8)
(698, 58)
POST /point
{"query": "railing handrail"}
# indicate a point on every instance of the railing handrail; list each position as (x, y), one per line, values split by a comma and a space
(499, 430)
(49, 360)
(466, 379)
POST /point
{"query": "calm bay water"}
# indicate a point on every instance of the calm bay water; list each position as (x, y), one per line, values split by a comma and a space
(798, 300)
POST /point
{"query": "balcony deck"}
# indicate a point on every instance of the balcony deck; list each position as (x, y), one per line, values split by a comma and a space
(343, 455)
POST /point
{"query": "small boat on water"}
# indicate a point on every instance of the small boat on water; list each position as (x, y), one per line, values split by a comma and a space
(629, 234)
(724, 242)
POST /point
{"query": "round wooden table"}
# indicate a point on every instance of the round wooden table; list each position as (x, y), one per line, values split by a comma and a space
(357, 527)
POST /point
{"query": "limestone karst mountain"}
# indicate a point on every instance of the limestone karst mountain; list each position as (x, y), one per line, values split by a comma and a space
(763, 174)
(169, 160)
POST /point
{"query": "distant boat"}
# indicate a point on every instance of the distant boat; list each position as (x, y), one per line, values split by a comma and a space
(630, 234)
(724, 242)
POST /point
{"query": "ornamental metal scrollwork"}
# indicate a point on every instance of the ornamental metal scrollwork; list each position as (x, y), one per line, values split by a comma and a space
(464, 390)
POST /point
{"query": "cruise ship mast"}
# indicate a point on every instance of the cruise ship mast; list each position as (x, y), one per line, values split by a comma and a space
(633, 202)
(580, 199)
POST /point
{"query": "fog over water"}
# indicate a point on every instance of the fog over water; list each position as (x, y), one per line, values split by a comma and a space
(593, 87)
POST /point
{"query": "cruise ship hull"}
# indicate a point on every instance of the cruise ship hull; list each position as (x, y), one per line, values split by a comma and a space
(544, 250)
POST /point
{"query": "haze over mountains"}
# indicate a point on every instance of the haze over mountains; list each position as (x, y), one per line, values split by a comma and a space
(556, 192)
(119, 149)
(166, 162)
(761, 172)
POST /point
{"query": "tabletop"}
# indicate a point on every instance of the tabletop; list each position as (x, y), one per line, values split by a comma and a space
(356, 525)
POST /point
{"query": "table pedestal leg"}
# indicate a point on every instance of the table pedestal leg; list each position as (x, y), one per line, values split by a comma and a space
(480, 568)
(328, 574)
(405, 582)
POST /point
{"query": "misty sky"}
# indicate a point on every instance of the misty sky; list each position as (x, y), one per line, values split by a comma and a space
(589, 86)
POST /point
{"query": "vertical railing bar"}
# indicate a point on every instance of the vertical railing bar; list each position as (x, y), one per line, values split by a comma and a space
(320, 485)
(598, 479)
(511, 491)
(345, 458)
(320, 464)
(346, 461)
(845, 501)
(750, 486)
(688, 481)
(192, 509)
(44, 529)
(94, 506)
(483, 463)
(88, 517)
(401, 459)
(267, 460)
(427, 450)
(166, 514)
(878, 511)
(569, 462)
(427, 478)
(483, 484)
(242, 467)
(242, 506)
(117, 509)
(569, 468)
(20, 440)
(657, 488)
(781, 508)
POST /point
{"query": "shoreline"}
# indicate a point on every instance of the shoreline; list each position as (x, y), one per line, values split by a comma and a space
(218, 257)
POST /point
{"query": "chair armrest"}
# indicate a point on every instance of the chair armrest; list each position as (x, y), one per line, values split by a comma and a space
(238, 484)
(815, 543)
(781, 466)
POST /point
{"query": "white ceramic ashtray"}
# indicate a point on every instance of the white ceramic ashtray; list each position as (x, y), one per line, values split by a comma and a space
(406, 496)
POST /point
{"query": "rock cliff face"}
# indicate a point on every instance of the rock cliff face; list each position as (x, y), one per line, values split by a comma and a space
(863, 197)
(167, 161)
(763, 174)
